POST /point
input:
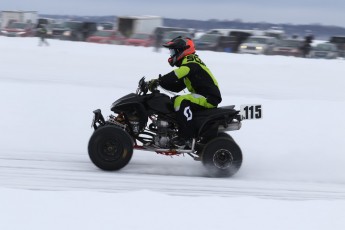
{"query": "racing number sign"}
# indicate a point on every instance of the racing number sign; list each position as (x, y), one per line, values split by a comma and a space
(249, 112)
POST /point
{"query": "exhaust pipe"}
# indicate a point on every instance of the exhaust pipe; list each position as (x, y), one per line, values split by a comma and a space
(235, 125)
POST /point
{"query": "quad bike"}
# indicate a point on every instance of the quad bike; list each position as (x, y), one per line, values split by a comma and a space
(146, 121)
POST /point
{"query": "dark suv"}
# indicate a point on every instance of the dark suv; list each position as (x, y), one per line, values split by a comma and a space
(216, 42)
(77, 31)
(339, 41)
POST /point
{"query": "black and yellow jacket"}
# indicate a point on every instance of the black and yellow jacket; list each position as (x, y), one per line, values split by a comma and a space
(194, 75)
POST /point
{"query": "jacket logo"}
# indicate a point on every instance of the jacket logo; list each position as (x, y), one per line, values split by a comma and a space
(188, 113)
(195, 58)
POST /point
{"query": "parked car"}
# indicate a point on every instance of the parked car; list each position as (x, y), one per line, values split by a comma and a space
(228, 44)
(276, 32)
(288, 47)
(208, 42)
(166, 29)
(258, 45)
(140, 39)
(216, 42)
(107, 37)
(339, 41)
(233, 38)
(56, 30)
(324, 50)
(169, 35)
(78, 31)
(19, 29)
(106, 26)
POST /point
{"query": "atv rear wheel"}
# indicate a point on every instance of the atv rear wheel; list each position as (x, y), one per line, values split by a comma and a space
(225, 135)
(203, 143)
(222, 157)
(110, 148)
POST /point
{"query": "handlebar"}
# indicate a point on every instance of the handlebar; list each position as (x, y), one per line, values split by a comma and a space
(143, 87)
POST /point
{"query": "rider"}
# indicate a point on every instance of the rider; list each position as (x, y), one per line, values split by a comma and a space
(194, 75)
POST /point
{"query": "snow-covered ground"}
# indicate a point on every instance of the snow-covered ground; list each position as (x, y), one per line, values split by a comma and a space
(292, 177)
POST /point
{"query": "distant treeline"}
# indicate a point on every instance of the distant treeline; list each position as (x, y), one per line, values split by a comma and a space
(322, 32)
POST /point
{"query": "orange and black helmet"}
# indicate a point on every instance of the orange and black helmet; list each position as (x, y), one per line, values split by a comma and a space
(179, 48)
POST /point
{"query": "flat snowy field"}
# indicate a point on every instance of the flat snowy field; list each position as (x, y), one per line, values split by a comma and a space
(292, 177)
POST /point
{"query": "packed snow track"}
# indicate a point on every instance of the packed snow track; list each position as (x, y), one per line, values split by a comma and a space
(59, 171)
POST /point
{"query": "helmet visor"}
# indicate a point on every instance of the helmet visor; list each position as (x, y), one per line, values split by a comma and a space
(172, 52)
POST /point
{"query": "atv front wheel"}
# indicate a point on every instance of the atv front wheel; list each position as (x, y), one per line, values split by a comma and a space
(110, 148)
(222, 157)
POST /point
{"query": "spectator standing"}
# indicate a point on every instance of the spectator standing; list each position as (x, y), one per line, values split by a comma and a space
(158, 40)
(42, 33)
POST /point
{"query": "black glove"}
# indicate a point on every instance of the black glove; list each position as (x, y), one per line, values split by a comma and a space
(153, 84)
